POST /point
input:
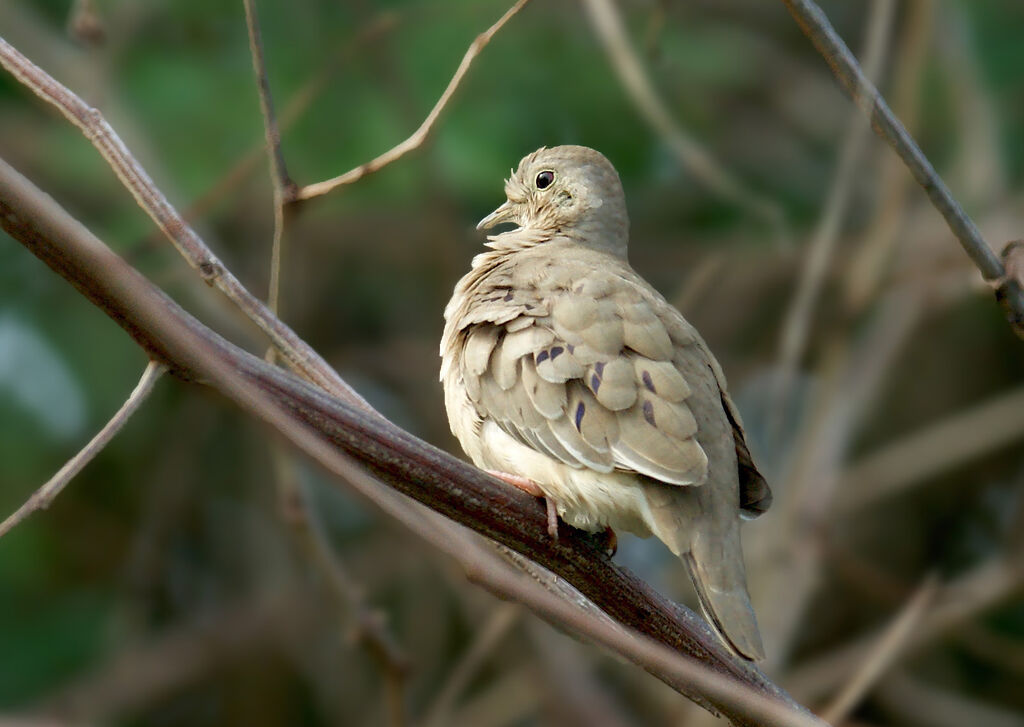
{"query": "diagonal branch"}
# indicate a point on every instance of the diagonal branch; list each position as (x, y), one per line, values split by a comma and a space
(691, 155)
(816, 26)
(334, 432)
(299, 355)
(41, 498)
(420, 135)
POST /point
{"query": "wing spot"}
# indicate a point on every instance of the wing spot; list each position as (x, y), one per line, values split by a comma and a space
(595, 383)
(648, 409)
(508, 295)
(646, 377)
(556, 351)
(580, 410)
(599, 367)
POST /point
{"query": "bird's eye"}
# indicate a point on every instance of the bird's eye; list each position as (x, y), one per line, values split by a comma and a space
(544, 179)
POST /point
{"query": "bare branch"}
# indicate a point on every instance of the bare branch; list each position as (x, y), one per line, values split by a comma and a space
(818, 256)
(935, 448)
(299, 355)
(816, 26)
(486, 640)
(332, 432)
(958, 601)
(420, 135)
(41, 498)
(368, 627)
(890, 646)
(284, 187)
(691, 154)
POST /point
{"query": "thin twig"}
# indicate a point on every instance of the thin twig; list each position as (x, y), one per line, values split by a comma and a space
(908, 700)
(284, 187)
(958, 601)
(41, 498)
(865, 272)
(368, 627)
(332, 431)
(487, 638)
(820, 250)
(816, 26)
(299, 355)
(935, 448)
(691, 154)
(420, 135)
(891, 644)
(292, 111)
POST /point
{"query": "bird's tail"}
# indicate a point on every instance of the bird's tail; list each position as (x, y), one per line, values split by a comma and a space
(704, 533)
(722, 589)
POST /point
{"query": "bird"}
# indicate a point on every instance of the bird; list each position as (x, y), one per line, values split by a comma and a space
(568, 375)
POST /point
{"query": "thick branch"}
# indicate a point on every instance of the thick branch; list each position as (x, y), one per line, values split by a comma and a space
(329, 429)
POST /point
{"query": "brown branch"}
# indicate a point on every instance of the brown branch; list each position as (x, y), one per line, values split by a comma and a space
(333, 432)
(957, 601)
(889, 648)
(497, 626)
(284, 187)
(816, 26)
(420, 135)
(368, 627)
(41, 498)
(299, 355)
(935, 448)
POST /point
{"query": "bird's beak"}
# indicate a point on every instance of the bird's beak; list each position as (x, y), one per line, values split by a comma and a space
(505, 213)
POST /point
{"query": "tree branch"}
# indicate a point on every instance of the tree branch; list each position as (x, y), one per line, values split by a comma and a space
(816, 26)
(334, 432)
(299, 355)
(41, 498)
(420, 135)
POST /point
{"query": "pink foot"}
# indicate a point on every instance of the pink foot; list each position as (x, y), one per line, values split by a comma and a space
(530, 487)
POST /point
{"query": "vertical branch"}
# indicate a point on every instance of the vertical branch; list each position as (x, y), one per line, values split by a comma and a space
(368, 627)
(284, 187)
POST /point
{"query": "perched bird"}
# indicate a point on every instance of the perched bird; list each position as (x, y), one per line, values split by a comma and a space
(565, 373)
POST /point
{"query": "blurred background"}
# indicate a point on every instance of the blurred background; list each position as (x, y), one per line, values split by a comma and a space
(883, 391)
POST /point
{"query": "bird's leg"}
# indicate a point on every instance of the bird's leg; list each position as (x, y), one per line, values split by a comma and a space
(532, 488)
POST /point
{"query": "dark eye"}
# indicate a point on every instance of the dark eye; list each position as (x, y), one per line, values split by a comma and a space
(544, 179)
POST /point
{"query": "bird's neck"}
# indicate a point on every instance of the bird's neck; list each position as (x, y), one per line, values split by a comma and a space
(527, 237)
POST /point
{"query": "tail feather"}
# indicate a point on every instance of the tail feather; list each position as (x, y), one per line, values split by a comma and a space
(701, 527)
(722, 591)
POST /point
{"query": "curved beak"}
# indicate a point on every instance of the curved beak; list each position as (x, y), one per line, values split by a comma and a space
(504, 213)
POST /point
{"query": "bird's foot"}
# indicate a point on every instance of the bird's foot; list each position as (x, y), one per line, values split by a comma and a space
(531, 488)
(605, 540)
(610, 541)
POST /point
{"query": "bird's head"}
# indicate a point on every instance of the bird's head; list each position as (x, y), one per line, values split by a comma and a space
(567, 191)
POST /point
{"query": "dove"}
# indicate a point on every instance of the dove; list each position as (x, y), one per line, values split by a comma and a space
(568, 375)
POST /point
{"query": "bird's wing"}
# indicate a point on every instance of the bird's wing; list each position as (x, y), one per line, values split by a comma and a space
(593, 375)
(755, 495)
